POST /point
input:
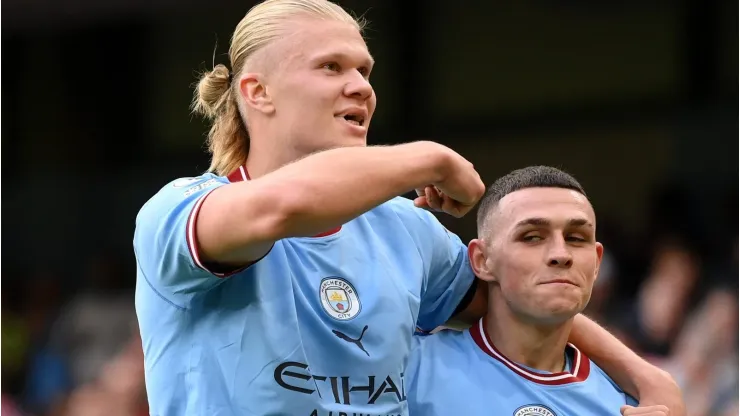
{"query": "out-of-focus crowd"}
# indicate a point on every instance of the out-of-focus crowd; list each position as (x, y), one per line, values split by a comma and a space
(683, 311)
(70, 345)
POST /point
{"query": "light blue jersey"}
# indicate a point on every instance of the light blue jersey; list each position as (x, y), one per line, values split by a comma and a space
(319, 326)
(462, 373)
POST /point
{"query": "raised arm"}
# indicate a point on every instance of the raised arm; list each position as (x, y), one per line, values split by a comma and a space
(238, 223)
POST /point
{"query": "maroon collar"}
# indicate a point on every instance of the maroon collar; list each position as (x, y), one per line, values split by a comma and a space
(579, 370)
(241, 174)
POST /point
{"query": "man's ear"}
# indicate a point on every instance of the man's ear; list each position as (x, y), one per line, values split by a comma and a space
(599, 256)
(254, 92)
(478, 257)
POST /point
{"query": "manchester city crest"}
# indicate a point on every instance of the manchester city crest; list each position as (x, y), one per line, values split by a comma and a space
(339, 298)
(534, 410)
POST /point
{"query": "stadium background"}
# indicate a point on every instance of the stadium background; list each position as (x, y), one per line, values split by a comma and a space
(637, 99)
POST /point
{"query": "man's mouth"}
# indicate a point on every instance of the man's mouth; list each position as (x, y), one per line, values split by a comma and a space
(354, 115)
(355, 119)
(561, 281)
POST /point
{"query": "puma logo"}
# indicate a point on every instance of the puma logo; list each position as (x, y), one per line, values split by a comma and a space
(357, 341)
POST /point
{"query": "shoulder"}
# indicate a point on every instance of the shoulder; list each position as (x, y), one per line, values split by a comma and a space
(438, 353)
(405, 207)
(444, 339)
(182, 190)
(171, 207)
(400, 213)
(410, 216)
(598, 375)
(184, 187)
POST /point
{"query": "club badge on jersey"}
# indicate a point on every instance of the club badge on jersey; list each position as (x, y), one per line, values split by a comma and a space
(339, 298)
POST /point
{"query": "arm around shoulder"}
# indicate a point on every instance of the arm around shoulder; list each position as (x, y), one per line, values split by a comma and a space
(640, 379)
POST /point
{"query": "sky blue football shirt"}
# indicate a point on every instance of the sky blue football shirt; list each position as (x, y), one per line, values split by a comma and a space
(319, 326)
(462, 373)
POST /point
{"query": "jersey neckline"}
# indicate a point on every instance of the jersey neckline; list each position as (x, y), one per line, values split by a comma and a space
(242, 175)
(578, 371)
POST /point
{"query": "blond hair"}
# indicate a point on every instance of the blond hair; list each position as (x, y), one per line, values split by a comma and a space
(217, 91)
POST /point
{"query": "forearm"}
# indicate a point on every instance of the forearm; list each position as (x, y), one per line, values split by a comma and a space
(638, 378)
(625, 367)
(330, 188)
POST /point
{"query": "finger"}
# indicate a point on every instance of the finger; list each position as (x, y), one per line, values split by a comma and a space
(627, 410)
(658, 410)
(449, 205)
(632, 412)
(651, 410)
(421, 202)
(456, 208)
(433, 197)
(452, 207)
(419, 191)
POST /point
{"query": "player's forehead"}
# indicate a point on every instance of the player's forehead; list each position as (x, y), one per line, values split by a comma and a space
(312, 39)
(555, 205)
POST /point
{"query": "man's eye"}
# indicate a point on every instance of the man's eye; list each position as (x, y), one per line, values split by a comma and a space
(331, 66)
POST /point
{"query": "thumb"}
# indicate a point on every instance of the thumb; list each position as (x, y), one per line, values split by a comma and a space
(625, 408)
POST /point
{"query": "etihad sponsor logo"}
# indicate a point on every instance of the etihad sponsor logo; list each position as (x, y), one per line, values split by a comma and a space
(295, 376)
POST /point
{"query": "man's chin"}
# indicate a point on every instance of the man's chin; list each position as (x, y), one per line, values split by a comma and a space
(555, 313)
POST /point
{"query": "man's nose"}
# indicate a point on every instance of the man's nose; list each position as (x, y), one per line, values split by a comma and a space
(559, 255)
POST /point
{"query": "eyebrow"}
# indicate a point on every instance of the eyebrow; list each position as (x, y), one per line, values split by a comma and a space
(543, 222)
(340, 56)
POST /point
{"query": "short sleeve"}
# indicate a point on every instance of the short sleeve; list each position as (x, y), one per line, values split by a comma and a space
(165, 243)
(449, 276)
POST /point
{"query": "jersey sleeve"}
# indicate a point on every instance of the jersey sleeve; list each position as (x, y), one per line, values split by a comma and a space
(449, 276)
(165, 242)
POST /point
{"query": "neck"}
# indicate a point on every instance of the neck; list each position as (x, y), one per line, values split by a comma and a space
(536, 345)
(265, 159)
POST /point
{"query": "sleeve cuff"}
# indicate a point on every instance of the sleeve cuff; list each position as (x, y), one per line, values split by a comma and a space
(192, 241)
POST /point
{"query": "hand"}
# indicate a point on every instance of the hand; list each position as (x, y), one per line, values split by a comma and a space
(658, 410)
(433, 199)
(660, 390)
(458, 193)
